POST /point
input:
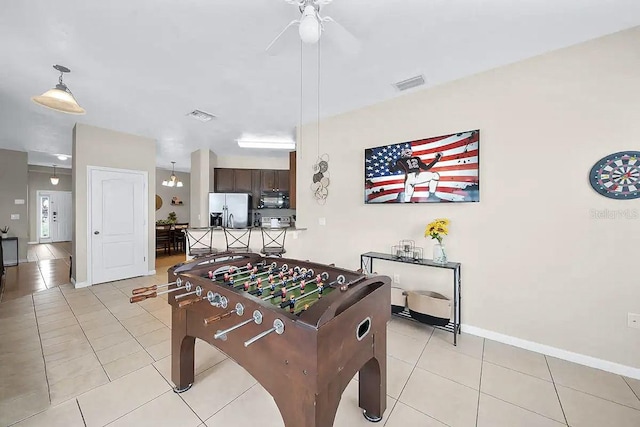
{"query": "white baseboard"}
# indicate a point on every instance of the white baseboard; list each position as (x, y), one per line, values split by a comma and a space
(78, 285)
(151, 273)
(581, 359)
(32, 243)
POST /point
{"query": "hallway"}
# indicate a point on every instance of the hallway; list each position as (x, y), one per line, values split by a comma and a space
(47, 268)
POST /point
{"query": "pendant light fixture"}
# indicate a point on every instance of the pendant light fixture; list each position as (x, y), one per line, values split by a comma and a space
(59, 98)
(54, 179)
(173, 179)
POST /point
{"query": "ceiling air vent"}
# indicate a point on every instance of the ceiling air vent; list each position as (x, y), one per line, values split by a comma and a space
(201, 115)
(409, 83)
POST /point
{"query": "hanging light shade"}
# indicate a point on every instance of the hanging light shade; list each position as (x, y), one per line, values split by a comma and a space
(54, 178)
(173, 180)
(59, 98)
(309, 26)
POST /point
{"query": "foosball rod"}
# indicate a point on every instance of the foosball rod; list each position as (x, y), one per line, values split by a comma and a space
(278, 328)
(339, 280)
(257, 318)
(215, 299)
(232, 270)
(252, 281)
(293, 288)
(198, 292)
(155, 287)
(239, 310)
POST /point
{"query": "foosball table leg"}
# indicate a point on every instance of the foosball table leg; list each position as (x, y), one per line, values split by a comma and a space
(182, 352)
(302, 408)
(372, 384)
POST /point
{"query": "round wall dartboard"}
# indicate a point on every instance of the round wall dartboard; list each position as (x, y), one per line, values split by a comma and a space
(617, 175)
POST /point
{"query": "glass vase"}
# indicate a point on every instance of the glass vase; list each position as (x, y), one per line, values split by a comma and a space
(439, 255)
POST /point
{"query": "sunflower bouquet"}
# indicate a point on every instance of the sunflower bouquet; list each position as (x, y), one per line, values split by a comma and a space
(437, 229)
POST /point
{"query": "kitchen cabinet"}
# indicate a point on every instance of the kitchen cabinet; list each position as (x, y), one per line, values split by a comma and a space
(243, 181)
(224, 180)
(254, 181)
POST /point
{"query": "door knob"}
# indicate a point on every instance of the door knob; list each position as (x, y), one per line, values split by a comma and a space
(96, 232)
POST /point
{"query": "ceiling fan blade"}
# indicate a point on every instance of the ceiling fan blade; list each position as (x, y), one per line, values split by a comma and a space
(275, 47)
(340, 36)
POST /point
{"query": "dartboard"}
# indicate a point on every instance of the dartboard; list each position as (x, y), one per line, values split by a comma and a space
(617, 176)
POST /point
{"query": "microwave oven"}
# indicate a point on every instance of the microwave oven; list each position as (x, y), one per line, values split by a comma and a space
(274, 200)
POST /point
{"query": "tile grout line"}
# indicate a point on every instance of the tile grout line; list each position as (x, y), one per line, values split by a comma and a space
(556, 390)
(632, 390)
(85, 335)
(44, 361)
(81, 414)
(484, 341)
(408, 378)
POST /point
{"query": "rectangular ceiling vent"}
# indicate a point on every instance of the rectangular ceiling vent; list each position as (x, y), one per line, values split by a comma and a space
(410, 83)
(201, 115)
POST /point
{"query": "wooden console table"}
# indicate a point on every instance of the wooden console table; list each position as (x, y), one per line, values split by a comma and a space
(366, 263)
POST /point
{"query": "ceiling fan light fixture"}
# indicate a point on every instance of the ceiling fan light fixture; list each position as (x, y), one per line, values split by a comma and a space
(59, 98)
(309, 26)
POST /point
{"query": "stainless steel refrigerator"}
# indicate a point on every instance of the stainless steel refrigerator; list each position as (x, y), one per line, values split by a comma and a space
(229, 210)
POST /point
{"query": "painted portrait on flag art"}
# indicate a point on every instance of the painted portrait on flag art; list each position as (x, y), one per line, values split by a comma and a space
(440, 169)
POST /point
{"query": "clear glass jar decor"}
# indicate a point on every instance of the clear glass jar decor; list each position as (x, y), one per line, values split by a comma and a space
(439, 255)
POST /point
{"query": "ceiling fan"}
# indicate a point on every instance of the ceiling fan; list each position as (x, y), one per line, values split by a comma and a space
(311, 26)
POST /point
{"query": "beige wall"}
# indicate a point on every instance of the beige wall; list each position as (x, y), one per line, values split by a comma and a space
(199, 187)
(39, 180)
(166, 193)
(13, 185)
(536, 264)
(93, 146)
(248, 162)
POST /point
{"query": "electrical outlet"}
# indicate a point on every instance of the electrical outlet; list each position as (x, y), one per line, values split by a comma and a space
(322, 221)
(633, 320)
(15, 216)
(396, 278)
(295, 235)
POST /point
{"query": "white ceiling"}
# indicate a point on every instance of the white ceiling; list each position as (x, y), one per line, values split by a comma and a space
(140, 66)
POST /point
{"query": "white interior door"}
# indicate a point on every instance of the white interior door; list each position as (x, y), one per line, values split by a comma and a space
(44, 217)
(117, 221)
(61, 216)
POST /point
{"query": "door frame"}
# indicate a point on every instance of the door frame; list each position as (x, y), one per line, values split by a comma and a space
(145, 210)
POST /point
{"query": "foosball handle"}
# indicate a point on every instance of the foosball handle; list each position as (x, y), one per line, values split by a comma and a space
(143, 290)
(218, 317)
(183, 304)
(139, 298)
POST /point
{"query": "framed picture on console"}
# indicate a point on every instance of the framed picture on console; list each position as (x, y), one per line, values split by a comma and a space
(433, 170)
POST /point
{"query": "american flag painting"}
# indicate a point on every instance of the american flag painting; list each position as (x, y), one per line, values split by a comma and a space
(440, 169)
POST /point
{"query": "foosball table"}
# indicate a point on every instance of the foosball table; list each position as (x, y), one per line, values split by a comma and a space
(301, 329)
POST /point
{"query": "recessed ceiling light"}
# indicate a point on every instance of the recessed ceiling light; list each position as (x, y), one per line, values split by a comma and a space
(201, 115)
(410, 83)
(62, 157)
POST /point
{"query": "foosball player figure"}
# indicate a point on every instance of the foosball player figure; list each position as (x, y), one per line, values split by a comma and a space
(302, 285)
(306, 307)
(259, 289)
(320, 289)
(210, 274)
(246, 285)
(283, 291)
(292, 303)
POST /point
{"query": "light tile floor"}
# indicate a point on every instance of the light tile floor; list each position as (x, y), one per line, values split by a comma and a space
(87, 357)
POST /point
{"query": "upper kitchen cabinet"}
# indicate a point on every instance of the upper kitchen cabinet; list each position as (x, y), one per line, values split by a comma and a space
(223, 180)
(267, 180)
(243, 180)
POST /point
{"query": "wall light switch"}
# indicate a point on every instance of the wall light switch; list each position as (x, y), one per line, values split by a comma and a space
(15, 216)
(322, 221)
(19, 201)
